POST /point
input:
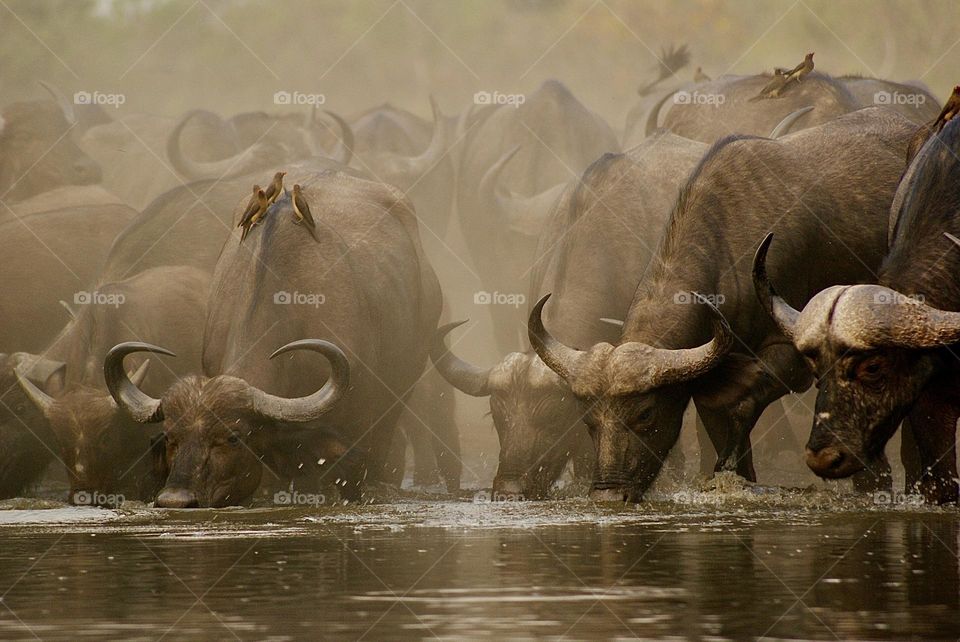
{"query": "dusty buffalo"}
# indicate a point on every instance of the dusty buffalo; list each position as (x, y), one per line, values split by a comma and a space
(885, 353)
(37, 152)
(106, 454)
(264, 141)
(710, 110)
(51, 256)
(829, 186)
(515, 162)
(365, 284)
(601, 233)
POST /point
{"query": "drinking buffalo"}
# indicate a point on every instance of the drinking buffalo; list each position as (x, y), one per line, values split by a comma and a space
(829, 186)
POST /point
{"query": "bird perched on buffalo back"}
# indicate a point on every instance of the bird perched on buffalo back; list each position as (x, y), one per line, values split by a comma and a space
(773, 88)
(275, 187)
(301, 210)
(251, 207)
(254, 215)
(801, 70)
(699, 76)
(950, 109)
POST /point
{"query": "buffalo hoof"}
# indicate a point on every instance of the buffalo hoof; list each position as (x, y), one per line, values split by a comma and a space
(176, 498)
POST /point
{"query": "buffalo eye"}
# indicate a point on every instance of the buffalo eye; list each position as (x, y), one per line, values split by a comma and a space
(644, 416)
(870, 370)
(233, 439)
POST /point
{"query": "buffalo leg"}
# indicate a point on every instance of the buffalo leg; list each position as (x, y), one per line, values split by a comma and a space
(725, 433)
(909, 456)
(935, 418)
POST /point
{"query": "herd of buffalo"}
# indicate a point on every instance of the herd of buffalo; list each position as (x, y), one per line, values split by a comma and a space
(171, 339)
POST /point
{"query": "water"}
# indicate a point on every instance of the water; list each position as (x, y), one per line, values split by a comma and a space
(707, 565)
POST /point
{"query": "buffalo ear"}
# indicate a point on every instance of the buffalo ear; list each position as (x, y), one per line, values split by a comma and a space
(56, 382)
(731, 380)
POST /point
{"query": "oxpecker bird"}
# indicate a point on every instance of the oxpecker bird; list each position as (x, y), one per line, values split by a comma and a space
(255, 215)
(252, 205)
(301, 210)
(801, 70)
(699, 76)
(773, 88)
(275, 187)
(950, 109)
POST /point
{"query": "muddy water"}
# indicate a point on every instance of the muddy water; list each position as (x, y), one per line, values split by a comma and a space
(715, 564)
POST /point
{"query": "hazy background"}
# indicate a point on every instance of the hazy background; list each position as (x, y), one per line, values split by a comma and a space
(228, 56)
(170, 55)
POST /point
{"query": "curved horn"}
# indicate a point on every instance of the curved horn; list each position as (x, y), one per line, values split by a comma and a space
(40, 399)
(462, 375)
(70, 311)
(65, 106)
(783, 127)
(343, 154)
(779, 310)
(312, 406)
(654, 116)
(141, 406)
(193, 170)
(561, 359)
(523, 214)
(643, 367)
(424, 162)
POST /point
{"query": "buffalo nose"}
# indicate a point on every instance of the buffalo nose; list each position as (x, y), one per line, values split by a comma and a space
(610, 495)
(825, 461)
(176, 498)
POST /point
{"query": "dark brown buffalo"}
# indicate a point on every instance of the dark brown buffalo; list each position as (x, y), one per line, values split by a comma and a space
(107, 454)
(515, 162)
(828, 187)
(886, 353)
(602, 231)
(37, 152)
(365, 284)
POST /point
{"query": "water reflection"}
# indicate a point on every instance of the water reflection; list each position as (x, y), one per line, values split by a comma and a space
(459, 569)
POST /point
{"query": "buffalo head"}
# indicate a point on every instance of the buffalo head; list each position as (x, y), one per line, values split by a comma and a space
(103, 450)
(872, 349)
(633, 396)
(537, 418)
(216, 430)
(38, 152)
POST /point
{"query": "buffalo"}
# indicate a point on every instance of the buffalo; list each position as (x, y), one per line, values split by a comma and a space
(621, 204)
(514, 163)
(883, 353)
(836, 179)
(105, 452)
(38, 151)
(363, 283)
